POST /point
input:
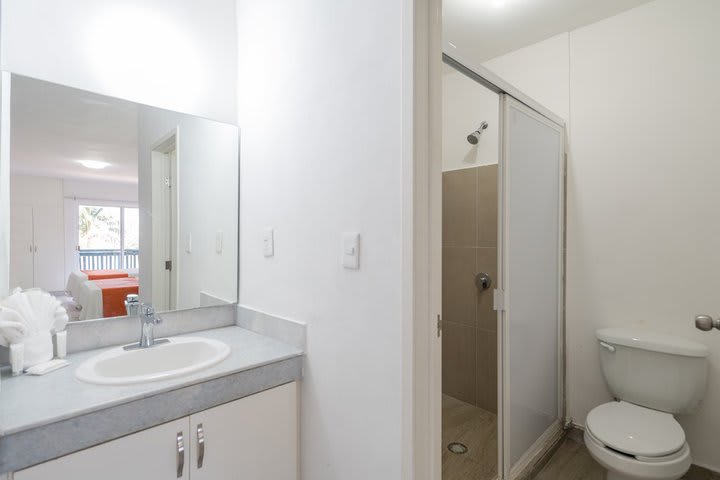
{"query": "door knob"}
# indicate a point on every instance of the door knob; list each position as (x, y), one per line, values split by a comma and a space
(483, 281)
(706, 323)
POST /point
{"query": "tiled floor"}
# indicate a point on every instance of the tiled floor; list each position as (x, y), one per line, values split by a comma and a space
(477, 430)
(573, 462)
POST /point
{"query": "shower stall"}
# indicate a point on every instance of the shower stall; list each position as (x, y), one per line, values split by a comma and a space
(502, 277)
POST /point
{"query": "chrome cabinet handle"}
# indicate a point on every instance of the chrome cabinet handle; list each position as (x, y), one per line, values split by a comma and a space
(201, 445)
(180, 455)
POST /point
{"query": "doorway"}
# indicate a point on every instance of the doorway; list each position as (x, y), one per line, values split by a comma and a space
(502, 278)
(165, 222)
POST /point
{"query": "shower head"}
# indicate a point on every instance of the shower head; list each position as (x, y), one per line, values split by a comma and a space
(474, 137)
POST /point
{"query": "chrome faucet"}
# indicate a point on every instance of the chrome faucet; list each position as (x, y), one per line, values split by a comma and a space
(148, 320)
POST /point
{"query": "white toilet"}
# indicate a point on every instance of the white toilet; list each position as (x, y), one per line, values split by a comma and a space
(652, 376)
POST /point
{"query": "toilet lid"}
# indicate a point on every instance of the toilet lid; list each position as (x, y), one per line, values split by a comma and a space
(636, 430)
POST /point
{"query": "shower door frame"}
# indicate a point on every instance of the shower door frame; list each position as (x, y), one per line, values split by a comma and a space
(525, 464)
(553, 433)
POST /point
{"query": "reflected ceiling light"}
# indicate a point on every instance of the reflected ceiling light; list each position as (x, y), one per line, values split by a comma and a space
(94, 164)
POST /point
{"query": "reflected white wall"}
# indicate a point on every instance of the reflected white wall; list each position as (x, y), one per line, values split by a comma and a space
(4, 183)
(207, 188)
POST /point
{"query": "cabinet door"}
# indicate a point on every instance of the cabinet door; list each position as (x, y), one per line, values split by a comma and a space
(254, 438)
(148, 455)
(21, 246)
(49, 238)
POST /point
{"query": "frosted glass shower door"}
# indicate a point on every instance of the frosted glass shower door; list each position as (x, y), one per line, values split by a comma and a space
(532, 169)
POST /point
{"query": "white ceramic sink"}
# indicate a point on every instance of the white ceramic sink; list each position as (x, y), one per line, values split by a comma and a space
(178, 357)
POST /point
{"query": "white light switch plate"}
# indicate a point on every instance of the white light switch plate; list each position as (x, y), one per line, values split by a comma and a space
(188, 243)
(268, 242)
(351, 250)
(219, 242)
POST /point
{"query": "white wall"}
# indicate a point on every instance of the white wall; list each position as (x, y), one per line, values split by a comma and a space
(98, 190)
(466, 104)
(175, 54)
(642, 181)
(207, 188)
(321, 112)
(541, 71)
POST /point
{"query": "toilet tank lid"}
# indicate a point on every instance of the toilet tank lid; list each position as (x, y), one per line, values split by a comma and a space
(653, 341)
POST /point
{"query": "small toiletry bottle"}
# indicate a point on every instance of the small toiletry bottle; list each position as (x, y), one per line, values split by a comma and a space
(61, 344)
(17, 358)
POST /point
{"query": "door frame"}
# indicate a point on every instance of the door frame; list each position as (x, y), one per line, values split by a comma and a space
(5, 84)
(160, 158)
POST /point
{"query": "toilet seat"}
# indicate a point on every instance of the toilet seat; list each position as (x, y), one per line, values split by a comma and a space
(637, 431)
(620, 466)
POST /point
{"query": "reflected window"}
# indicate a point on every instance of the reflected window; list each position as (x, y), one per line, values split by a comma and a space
(108, 237)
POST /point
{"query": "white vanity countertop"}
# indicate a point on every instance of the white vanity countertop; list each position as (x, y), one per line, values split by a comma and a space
(28, 402)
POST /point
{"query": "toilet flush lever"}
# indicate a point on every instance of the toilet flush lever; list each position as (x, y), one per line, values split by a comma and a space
(706, 323)
(607, 347)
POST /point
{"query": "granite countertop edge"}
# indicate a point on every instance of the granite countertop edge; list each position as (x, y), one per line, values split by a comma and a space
(269, 351)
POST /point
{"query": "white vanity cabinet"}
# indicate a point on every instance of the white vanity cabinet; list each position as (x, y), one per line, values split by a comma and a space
(150, 454)
(255, 437)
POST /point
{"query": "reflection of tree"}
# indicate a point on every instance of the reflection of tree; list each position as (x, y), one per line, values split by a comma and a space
(98, 225)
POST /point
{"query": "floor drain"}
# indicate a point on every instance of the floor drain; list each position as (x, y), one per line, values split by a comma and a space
(457, 448)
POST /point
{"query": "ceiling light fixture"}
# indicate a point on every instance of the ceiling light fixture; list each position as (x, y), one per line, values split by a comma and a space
(94, 164)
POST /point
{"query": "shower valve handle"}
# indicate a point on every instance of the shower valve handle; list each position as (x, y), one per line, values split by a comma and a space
(483, 281)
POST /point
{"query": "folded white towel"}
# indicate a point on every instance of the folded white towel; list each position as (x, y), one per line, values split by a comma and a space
(31, 317)
(47, 367)
(12, 328)
(38, 349)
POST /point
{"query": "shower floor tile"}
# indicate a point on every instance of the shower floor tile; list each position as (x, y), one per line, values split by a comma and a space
(477, 430)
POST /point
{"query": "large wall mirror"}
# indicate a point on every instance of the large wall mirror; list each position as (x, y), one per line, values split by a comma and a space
(110, 199)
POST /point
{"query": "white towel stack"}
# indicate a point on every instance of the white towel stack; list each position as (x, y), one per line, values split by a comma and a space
(31, 317)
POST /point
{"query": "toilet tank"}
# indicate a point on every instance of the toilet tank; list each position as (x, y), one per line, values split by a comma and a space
(654, 370)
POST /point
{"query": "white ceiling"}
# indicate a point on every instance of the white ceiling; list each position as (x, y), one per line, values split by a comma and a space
(484, 29)
(53, 126)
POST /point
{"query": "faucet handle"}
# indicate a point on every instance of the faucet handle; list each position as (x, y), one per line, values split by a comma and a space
(146, 310)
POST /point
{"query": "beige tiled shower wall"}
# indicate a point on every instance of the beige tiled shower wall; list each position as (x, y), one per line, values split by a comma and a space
(469, 371)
